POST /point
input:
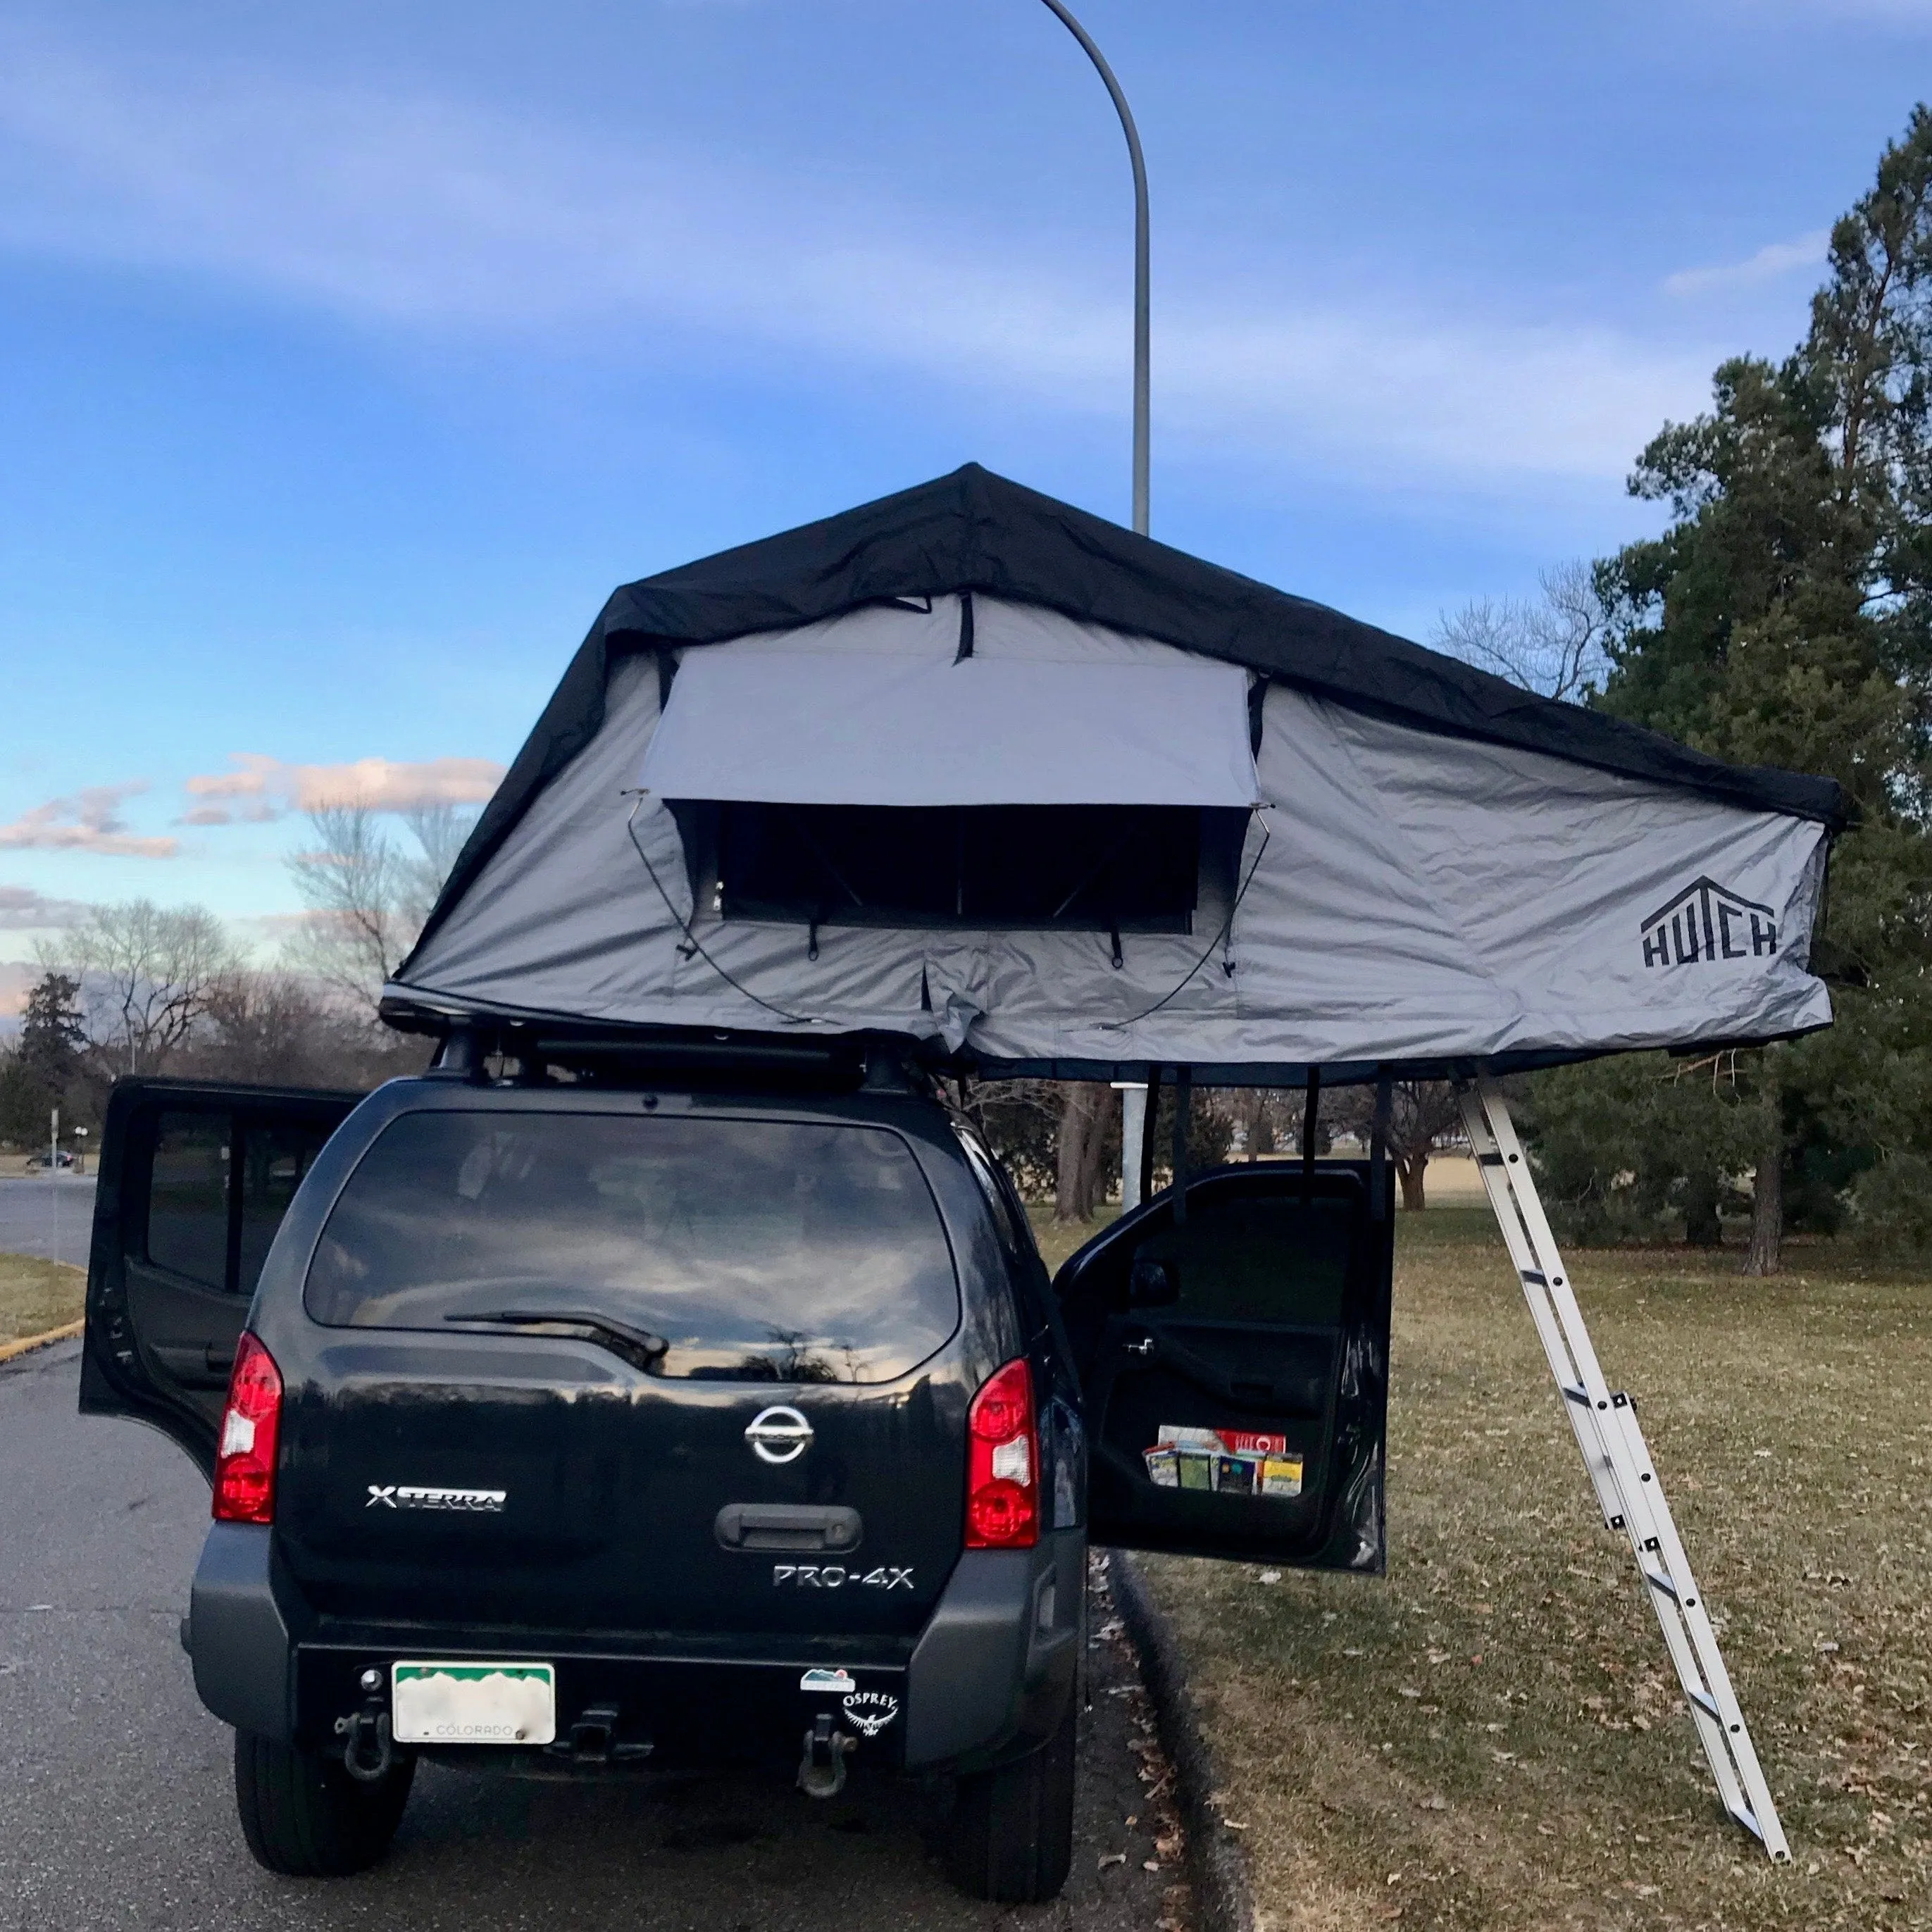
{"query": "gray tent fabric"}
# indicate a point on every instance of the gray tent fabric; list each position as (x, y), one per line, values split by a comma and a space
(844, 713)
(1406, 900)
(973, 531)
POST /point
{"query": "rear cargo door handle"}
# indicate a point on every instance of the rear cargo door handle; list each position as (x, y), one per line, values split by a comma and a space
(787, 1526)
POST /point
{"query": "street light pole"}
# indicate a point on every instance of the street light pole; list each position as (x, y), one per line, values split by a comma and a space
(1141, 325)
(1133, 1098)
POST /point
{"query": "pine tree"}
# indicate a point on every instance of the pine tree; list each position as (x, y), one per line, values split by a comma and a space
(1784, 617)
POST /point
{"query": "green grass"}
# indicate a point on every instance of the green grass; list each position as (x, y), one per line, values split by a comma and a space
(1491, 1737)
(38, 1295)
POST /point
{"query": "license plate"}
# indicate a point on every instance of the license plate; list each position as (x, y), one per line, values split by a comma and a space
(469, 1703)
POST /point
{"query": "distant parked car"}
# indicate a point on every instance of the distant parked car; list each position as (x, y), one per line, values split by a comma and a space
(65, 1159)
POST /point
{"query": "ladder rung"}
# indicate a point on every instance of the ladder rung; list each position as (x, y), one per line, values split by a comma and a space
(1489, 1160)
(1579, 1396)
(1658, 1581)
(1530, 1275)
(1704, 1703)
(1747, 1818)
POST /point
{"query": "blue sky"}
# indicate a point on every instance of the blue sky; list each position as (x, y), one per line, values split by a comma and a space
(349, 354)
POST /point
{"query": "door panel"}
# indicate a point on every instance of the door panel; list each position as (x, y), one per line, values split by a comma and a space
(194, 1179)
(1234, 1363)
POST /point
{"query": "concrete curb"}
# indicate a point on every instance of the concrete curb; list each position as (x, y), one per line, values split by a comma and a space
(29, 1343)
(1216, 1863)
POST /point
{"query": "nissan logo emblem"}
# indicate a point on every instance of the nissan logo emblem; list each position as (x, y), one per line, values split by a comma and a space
(779, 1434)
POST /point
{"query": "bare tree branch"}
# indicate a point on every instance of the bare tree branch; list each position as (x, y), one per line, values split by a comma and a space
(147, 974)
(367, 897)
(1554, 646)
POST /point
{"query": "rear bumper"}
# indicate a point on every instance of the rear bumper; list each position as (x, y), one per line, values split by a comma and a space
(987, 1678)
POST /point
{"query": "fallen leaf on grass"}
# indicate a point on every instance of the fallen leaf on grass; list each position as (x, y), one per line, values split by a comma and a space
(1149, 1865)
(1434, 1805)
(1112, 1858)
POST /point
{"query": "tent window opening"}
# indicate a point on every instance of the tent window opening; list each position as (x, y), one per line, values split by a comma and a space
(1094, 869)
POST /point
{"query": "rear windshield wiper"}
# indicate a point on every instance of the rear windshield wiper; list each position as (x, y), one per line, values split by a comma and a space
(638, 1346)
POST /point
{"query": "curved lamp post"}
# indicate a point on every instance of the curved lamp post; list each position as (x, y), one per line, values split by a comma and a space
(1141, 332)
(1133, 1098)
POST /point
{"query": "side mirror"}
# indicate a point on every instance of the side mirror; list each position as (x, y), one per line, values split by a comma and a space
(1152, 1285)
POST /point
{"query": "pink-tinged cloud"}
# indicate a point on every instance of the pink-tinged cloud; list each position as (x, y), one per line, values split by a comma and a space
(89, 821)
(261, 788)
(23, 909)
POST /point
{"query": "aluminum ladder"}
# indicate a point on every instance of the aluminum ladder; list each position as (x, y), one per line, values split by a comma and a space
(1628, 1490)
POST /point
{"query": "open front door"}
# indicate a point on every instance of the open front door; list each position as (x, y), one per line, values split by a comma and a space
(1235, 1361)
(194, 1179)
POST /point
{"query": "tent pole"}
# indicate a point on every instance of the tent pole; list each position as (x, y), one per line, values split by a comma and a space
(1311, 1112)
(1133, 1141)
(1379, 1174)
(1628, 1492)
(1150, 1112)
(1184, 1105)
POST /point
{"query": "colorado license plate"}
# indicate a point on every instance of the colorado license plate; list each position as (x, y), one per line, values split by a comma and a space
(472, 1703)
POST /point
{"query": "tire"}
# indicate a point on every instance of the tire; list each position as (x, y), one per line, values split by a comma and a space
(1012, 1834)
(305, 1816)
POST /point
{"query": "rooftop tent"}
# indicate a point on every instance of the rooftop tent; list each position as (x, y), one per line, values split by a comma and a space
(969, 764)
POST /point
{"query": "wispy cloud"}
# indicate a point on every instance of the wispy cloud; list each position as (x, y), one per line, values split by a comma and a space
(260, 788)
(88, 820)
(422, 214)
(1770, 262)
(23, 909)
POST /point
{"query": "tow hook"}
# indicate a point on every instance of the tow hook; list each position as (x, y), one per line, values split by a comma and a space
(367, 1751)
(821, 1771)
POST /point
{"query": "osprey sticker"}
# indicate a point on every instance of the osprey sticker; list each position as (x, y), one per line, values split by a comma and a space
(420, 1496)
(871, 1711)
(827, 1680)
(1706, 921)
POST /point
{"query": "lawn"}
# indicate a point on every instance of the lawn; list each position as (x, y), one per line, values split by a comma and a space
(38, 1295)
(1490, 1737)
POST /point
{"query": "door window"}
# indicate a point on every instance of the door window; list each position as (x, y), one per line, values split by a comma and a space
(274, 1157)
(187, 1201)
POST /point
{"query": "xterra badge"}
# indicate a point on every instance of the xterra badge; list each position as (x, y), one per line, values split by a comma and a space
(836, 1576)
(419, 1496)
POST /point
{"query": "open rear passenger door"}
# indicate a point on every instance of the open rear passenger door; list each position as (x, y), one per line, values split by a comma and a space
(1233, 1349)
(194, 1179)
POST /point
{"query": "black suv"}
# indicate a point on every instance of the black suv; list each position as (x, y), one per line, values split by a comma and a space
(603, 1413)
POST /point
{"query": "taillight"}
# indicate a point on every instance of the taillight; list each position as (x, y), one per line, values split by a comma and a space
(1003, 1464)
(245, 1462)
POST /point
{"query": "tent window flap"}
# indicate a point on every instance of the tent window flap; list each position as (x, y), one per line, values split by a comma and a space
(822, 728)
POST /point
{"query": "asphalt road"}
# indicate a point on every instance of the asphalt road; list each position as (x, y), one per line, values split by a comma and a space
(116, 1807)
(52, 1220)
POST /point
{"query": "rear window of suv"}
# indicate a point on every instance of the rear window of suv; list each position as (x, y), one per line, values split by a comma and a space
(759, 1250)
